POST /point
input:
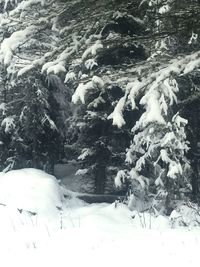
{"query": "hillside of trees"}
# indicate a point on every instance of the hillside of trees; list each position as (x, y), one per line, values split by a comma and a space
(112, 85)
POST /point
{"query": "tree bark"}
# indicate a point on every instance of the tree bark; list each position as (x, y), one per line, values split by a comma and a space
(100, 178)
(195, 179)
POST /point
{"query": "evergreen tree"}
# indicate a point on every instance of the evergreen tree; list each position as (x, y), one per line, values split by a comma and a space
(35, 107)
(125, 71)
(157, 155)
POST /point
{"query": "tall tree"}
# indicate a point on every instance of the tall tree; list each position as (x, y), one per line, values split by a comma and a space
(124, 70)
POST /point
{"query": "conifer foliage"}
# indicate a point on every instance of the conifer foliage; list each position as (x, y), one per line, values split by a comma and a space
(105, 78)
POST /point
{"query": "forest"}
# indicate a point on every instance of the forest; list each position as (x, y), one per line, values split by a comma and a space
(112, 86)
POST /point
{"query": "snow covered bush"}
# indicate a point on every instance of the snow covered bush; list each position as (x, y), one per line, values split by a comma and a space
(185, 215)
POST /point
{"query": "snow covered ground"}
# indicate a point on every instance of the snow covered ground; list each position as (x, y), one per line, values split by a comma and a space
(38, 227)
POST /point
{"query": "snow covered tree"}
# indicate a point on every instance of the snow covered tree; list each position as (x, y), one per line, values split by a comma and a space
(124, 64)
(157, 156)
(102, 145)
(34, 107)
(29, 133)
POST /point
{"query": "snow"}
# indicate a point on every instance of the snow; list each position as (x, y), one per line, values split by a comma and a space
(3, 108)
(134, 88)
(31, 190)
(9, 45)
(174, 167)
(70, 76)
(81, 92)
(96, 234)
(153, 110)
(179, 120)
(81, 172)
(82, 89)
(170, 88)
(117, 114)
(120, 178)
(160, 88)
(23, 5)
(90, 63)
(24, 70)
(56, 69)
(52, 125)
(98, 81)
(8, 123)
(85, 153)
(92, 50)
(192, 65)
(164, 9)
(193, 38)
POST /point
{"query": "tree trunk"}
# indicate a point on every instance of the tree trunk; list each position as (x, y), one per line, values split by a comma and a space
(195, 179)
(100, 178)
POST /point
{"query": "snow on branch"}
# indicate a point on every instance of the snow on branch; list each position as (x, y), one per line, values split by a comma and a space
(117, 114)
(27, 34)
(8, 123)
(46, 118)
(24, 5)
(120, 178)
(85, 153)
(92, 49)
(153, 111)
(159, 90)
(82, 89)
(9, 45)
(134, 88)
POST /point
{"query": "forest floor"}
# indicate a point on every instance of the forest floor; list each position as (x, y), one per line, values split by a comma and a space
(32, 233)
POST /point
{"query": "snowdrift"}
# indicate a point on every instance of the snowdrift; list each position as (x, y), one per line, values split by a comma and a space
(33, 193)
(39, 227)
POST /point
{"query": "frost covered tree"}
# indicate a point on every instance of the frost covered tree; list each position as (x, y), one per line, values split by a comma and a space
(141, 52)
(53, 38)
(29, 136)
(123, 64)
(33, 104)
(102, 145)
(158, 156)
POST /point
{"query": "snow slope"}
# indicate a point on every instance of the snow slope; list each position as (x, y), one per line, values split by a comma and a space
(87, 235)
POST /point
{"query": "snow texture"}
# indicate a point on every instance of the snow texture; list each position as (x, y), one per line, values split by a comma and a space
(153, 111)
(32, 191)
(120, 178)
(117, 114)
(107, 234)
(92, 50)
(85, 153)
(81, 172)
(82, 89)
(9, 45)
(8, 123)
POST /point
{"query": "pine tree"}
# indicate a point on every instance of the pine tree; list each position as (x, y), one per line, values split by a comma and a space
(102, 145)
(125, 70)
(157, 155)
(35, 107)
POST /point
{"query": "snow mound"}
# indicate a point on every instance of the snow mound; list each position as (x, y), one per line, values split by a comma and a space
(32, 191)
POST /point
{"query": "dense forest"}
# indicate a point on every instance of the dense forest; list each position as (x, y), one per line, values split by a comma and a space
(111, 85)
